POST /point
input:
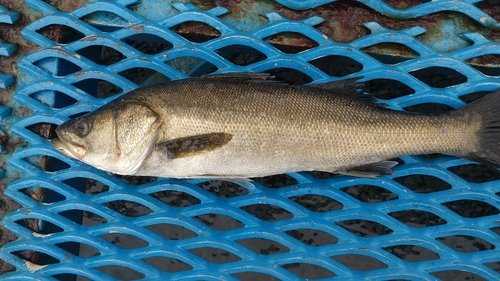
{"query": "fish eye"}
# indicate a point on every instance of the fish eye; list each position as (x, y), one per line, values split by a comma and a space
(82, 127)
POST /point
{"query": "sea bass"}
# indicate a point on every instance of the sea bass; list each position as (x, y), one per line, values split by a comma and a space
(247, 125)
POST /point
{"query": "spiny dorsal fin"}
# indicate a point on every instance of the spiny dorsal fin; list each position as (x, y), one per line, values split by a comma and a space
(371, 170)
(193, 145)
(346, 86)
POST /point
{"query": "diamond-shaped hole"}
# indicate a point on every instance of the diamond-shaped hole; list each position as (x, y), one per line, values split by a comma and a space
(171, 231)
(323, 175)
(36, 257)
(412, 253)
(390, 53)
(317, 203)
(102, 55)
(241, 55)
(290, 76)
(120, 272)
(85, 185)
(308, 271)
(364, 228)
(79, 249)
(45, 130)
(494, 265)
(439, 77)
(474, 96)
(254, 276)
(359, 262)
(98, 88)
(496, 230)
(128, 208)
(43, 195)
(167, 264)
(215, 255)
(471, 208)
(417, 218)
(291, 42)
(476, 173)
(140, 75)
(97, 16)
(64, 67)
(423, 183)
(176, 198)
(42, 162)
(125, 241)
(195, 31)
(267, 212)
(54, 99)
(405, 4)
(466, 243)
(387, 89)
(77, 216)
(429, 108)
(482, 63)
(276, 181)
(148, 43)
(313, 237)
(65, 276)
(263, 246)
(369, 193)
(453, 275)
(219, 222)
(337, 66)
(136, 180)
(224, 189)
(62, 34)
(33, 225)
(187, 63)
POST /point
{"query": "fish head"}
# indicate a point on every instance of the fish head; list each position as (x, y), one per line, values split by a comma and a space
(116, 138)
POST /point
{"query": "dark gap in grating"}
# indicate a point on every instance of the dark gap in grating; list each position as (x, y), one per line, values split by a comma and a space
(76, 115)
(337, 66)
(136, 180)
(148, 43)
(317, 203)
(267, 212)
(359, 262)
(187, 64)
(38, 258)
(92, 186)
(64, 67)
(291, 42)
(102, 55)
(128, 208)
(423, 183)
(276, 181)
(219, 222)
(290, 76)
(195, 31)
(387, 89)
(48, 227)
(405, 4)
(45, 130)
(454, 275)
(323, 175)
(60, 99)
(429, 108)
(471, 208)
(90, 219)
(60, 33)
(263, 246)
(496, 230)
(139, 75)
(489, 71)
(254, 276)
(224, 189)
(369, 193)
(121, 272)
(176, 198)
(68, 276)
(466, 243)
(79, 249)
(412, 253)
(39, 194)
(215, 255)
(171, 231)
(308, 271)
(241, 55)
(47, 163)
(474, 96)
(124, 241)
(476, 173)
(313, 237)
(431, 156)
(493, 265)
(364, 228)
(417, 218)
(167, 264)
(98, 88)
(75, 215)
(486, 64)
(439, 77)
(390, 52)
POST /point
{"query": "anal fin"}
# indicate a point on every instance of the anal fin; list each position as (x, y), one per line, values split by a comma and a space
(371, 170)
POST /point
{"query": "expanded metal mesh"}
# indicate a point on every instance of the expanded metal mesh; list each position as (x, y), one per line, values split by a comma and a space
(436, 218)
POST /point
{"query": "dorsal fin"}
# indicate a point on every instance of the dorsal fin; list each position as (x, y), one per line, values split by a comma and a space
(244, 77)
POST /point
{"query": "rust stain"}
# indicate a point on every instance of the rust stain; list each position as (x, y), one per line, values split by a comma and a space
(404, 4)
(196, 31)
(138, 28)
(67, 6)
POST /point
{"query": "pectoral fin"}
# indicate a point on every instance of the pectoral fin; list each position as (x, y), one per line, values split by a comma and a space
(371, 170)
(193, 145)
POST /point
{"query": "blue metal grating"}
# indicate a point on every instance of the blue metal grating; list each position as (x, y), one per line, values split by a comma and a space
(353, 255)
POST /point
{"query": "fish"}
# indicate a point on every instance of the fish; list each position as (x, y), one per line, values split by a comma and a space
(246, 125)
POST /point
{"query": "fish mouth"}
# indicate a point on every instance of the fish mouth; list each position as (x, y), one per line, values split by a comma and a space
(73, 150)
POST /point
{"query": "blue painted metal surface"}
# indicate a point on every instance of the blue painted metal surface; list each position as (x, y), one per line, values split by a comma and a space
(7, 49)
(40, 96)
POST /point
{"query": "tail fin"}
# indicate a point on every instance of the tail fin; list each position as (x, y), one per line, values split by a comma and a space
(488, 108)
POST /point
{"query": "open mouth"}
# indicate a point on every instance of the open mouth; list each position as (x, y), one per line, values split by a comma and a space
(71, 150)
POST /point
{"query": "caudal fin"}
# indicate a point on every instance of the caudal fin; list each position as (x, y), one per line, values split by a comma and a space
(488, 108)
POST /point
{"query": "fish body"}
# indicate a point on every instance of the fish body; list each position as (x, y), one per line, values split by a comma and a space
(246, 125)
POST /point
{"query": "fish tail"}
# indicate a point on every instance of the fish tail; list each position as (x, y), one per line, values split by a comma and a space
(487, 149)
